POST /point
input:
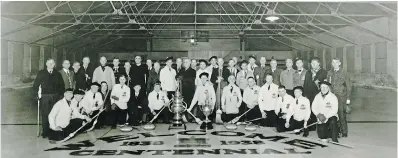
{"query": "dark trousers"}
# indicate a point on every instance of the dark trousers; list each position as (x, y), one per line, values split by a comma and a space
(164, 116)
(47, 102)
(294, 124)
(135, 114)
(100, 120)
(74, 124)
(342, 123)
(280, 123)
(228, 117)
(253, 114)
(242, 109)
(188, 96)
(270, 121)
(313, 118)
(328, 129)
(118, 116)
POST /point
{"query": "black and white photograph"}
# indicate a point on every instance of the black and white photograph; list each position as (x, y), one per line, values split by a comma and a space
(203, 79)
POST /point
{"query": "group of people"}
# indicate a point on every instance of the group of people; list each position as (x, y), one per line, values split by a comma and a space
(287, 99)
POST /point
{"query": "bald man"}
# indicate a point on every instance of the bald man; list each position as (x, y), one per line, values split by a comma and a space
(52, 88)
(104, 73)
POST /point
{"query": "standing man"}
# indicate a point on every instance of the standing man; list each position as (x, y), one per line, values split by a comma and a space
(259, 72)
(128, 73)
(267, 101)
(231, 100)
(275, 71)
(202, 69)
(140, 71)
(88, 70)
(79, 76)
(194, 64)
(68, 76)
(153, 77)
(219, 75)
(51, 87)
(325, 107)
(179, 66)
(232, 69)
(104, 73)
(149, 64)
(286, 77)
(243, 75)
(311, 84)
(188, 76)
(341, 87)
(213, 63)
(252, 63)
(237, 64)
(299, 74)
(167, 78)
(116, 69)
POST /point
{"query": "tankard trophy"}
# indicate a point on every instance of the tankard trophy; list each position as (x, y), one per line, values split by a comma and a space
(207, 109)
(177, 106)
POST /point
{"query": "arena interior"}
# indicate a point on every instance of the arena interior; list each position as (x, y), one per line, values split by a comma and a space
(144, 79)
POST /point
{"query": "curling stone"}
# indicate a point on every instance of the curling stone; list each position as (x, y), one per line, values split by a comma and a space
(250, 127)
(231, 126)
(149, 127)
(126, 128)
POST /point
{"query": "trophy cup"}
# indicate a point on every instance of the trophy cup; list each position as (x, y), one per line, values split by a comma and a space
(207, 109)
(177, 106)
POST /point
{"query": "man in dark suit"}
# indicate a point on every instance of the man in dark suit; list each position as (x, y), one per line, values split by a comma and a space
(259, 72)
(140, 73)
(311, 84)
(188, 76)
(117, 70)
(275, 71)
(68, 76)
(179, 66)
(88, 70)
(79, 76)
(153, 77)
(128, 73)
(137, 105)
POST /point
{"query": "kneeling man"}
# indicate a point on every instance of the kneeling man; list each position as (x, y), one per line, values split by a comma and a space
(325, 108)
(61, 118)
(156, 100)
(300, 110)
(231, 100)
(283, 105)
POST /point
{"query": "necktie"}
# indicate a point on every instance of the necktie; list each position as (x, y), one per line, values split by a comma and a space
(269, 87)
(282, 99)
(68, 102)
(121, 87)
(169, 69)
(297, 101)
(245, 73)
(69, 79)
(51, 72)
(157, 96)
(300, 70)
(232, 88)
(103, 68)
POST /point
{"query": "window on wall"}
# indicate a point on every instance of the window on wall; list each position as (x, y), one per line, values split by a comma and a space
(18, 58)
(381, 57)
(4, 57)
(365, 56)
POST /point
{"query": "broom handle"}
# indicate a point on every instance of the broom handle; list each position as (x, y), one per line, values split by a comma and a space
(240, 115)
(156, 116)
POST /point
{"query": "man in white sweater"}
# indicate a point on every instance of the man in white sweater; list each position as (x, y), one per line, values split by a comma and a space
(204, 94)
(282, 106)
(267, 101)
(62, 118)
(167, 77)
(300, 110)
(120, 95)
(92, 103)
(104, 73)
(231, 99)
(250, 98)
(156, 100)
(325, 107)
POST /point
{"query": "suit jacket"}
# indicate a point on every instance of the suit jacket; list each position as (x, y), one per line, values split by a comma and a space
(188, 77)
(216, 73)
(127, 74)
(311, 88)
(69, 80)
(140, 100)
(80, 80)
(260, 72)
(298, 79)
(117, 71)
(89, 71)
(275, 75)
(178, 71)
(153, 77)
(241, 79)
(234, 71)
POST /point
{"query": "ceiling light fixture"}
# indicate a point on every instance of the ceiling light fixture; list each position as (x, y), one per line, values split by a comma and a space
(271, 16)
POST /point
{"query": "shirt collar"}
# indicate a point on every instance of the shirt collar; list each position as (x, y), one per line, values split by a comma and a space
(66, 70)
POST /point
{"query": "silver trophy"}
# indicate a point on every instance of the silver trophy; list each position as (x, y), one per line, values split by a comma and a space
(178, 106)
(206, 109)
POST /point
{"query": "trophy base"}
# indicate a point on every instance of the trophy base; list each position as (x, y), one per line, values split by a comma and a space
(177, 124)
(206, 126)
